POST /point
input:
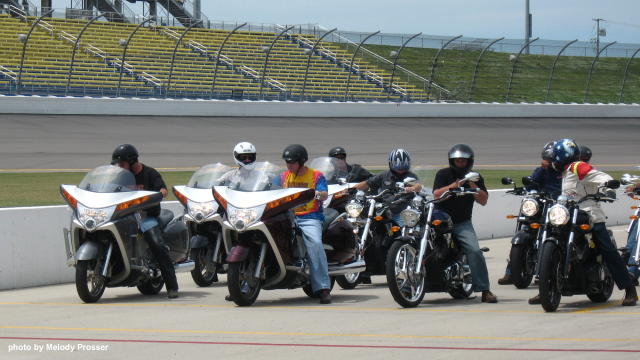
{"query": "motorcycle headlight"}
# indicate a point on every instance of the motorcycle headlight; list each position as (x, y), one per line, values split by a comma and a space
(529, 207)
(240, 219)
(410, 217)
(201, 211)
(558, 215)
(92, 218)
(353, 209)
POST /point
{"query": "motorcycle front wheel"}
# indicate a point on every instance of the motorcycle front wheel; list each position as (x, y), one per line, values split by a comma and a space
(550, 277)
(521, 271)
(243, 287)
(205, 272)
(607, 288)
(349, 281)
(405, 286)
(89, 283)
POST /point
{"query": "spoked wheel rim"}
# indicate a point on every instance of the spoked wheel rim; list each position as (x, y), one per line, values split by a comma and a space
(410, 284)
(207, 266)
(249, 285)
(95, 281)
(352, 277)
(556, 280)
(530, 261)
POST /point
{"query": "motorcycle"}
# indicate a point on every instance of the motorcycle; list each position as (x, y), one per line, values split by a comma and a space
(526, 243)
(204, 221)
(104, 241)
(570, 263)
(266, 250)
(634, 254)
(426, 256)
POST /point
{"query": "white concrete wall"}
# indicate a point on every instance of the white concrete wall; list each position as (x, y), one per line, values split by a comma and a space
(185, 107)
(33, 250)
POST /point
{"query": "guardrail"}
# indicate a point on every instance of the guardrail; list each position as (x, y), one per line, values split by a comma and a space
(8, 73)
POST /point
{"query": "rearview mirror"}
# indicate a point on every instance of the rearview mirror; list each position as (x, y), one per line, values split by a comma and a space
(471, 176)
(612, 184)
(628, 179)
(410, 181)
(342, 181)
(507, 181)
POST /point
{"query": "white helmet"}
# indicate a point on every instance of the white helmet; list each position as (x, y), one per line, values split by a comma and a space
(245, 148)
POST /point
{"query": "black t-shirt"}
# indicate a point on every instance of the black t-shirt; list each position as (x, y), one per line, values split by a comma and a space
(150, 179)
(387, 180)
(357, 173)
(459, 208)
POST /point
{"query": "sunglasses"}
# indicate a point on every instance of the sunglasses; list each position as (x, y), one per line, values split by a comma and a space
(245, 157)
(291, 161)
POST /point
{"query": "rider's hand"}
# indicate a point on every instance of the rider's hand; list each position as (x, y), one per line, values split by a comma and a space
(629, 190)
(164, 192)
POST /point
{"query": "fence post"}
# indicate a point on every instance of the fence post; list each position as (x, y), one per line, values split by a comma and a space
(593, 64)
(477, 66)
(395, 62)
(355, 53)
(173, 57)
(553, 68)
(75, 47)
(513, 68)
(217, 59)
(435, 63)
(306, 73)
(624, 79)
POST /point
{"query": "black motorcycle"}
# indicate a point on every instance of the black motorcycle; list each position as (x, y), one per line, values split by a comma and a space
(570, 263)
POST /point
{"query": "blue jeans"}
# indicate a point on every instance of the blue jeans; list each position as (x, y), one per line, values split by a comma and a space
(397, 219)
(468, 241)
(318, 267)
(632, 242)
(148, 223)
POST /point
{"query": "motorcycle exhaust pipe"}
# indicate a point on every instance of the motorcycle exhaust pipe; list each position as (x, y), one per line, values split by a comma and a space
(356, 266)
(185, 267)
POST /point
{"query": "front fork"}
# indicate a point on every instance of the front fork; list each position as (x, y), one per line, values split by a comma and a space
(263, 252)
(570, 245)
(365, 230)
(423, 241)
(216, 251)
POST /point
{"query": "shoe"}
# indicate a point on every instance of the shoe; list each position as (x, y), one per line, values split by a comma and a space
(228, 298)
(505, 280)
(488, 297)
(535, 300)
(630, 297)
(365, 279)
(172, 294)
(325, 296)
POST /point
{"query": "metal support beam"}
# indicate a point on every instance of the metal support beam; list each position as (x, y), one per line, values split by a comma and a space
(266, 59)
(395, 63)
(515, 62)
(217, 61)
(593, 64)
(126, 47)
(355, 53)
(311, 51)
(626, 72)
(75, 48)
(175, 50)
(25, 40)
(477, 66)
(434, 64)
(553, 68)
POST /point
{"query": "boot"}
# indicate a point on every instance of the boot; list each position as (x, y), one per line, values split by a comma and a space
(325, 296)
(155, 240)
(488, 297)
(535, 300)
(630, 297)
(505, 280)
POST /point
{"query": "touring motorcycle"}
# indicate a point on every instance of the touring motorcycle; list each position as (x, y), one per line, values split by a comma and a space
(265, 248)
(104, 241)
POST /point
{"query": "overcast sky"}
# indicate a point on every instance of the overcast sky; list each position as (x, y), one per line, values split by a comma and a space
(552, 19)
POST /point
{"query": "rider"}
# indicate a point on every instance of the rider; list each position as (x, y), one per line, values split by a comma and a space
(549, 181)
(399, 166)
(244, 155)
(309, 216)
(461, 158)
(585, 153)
(356, 172)
(147, 178)
(580, 179)
(632, 240)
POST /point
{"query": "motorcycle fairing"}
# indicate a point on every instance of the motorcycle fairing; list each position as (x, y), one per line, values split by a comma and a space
(97, 200)
(245, 200)
(195, 194)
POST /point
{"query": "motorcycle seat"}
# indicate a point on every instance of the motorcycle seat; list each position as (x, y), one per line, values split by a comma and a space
(329, 216)
(165, 218)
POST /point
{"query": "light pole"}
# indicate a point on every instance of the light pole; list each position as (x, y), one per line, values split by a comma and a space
(126, 43)
(217, 60)
(311, 51)
(75, 47)
(527, 25)
(395, 62)
(173, 57)
(355, 53)
(266, 58)
(25, 39)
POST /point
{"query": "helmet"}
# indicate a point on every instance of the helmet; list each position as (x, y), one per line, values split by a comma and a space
(461, 151)
(399, 160)
(547, 151)
(126, 153)
(585, 153)
(295, 152)
(565, 151)
(337, 151)
(245, 148)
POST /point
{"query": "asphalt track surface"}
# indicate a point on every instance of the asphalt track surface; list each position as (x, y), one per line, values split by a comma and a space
(363, 323)
(80, 142)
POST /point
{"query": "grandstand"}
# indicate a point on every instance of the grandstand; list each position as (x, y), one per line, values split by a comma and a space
(146, 69)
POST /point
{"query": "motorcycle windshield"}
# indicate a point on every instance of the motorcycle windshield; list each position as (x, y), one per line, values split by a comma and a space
(108, 179)
(259, 178)
(208, 176)
(333, 169)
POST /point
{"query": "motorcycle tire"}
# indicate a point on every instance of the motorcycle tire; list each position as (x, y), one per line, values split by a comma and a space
(607, 288)
(518, 260)
(398, 252)
(349, 281)
(151, 286)
(243, 287)
(550, 269)
(466, 290)
(201, 274)
(85, 272)
(309, 291)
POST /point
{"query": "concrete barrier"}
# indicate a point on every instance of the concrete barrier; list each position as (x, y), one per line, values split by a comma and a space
(33, 250)
(186, 107)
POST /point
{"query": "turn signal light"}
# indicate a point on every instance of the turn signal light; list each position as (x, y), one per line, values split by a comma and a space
(180, 197)
(585, 227)
(633, 217)
(511, 216)
(222, 201)
(70, 199)
(281, 201)
(395, 228)
(436, 222)
(130, 203)
(377, 218)
(535, 226)
(634, 207)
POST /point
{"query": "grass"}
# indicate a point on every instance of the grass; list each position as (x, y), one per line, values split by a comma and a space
(455, 68)
(36, 189)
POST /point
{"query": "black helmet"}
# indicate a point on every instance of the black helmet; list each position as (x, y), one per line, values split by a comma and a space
(585, 153)
(295, 152)
(547, 151)
(124, 152)
(338, 151)
(461, 151)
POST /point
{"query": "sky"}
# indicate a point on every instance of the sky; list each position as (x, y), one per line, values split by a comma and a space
(552, 19)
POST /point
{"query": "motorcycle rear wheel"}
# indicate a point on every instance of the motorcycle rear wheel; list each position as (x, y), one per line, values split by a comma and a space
(243, 287)
(89, 283)
(520, 272)
(205, 272)
(550, 276)
(406, 288)
(607, 288)
(151, 286)
(349, 281)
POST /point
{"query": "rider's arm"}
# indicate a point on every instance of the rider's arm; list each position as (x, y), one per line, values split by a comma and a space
(373, 182)
(157, 183)
(322, 190)
(482, 196)
(442, 183)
